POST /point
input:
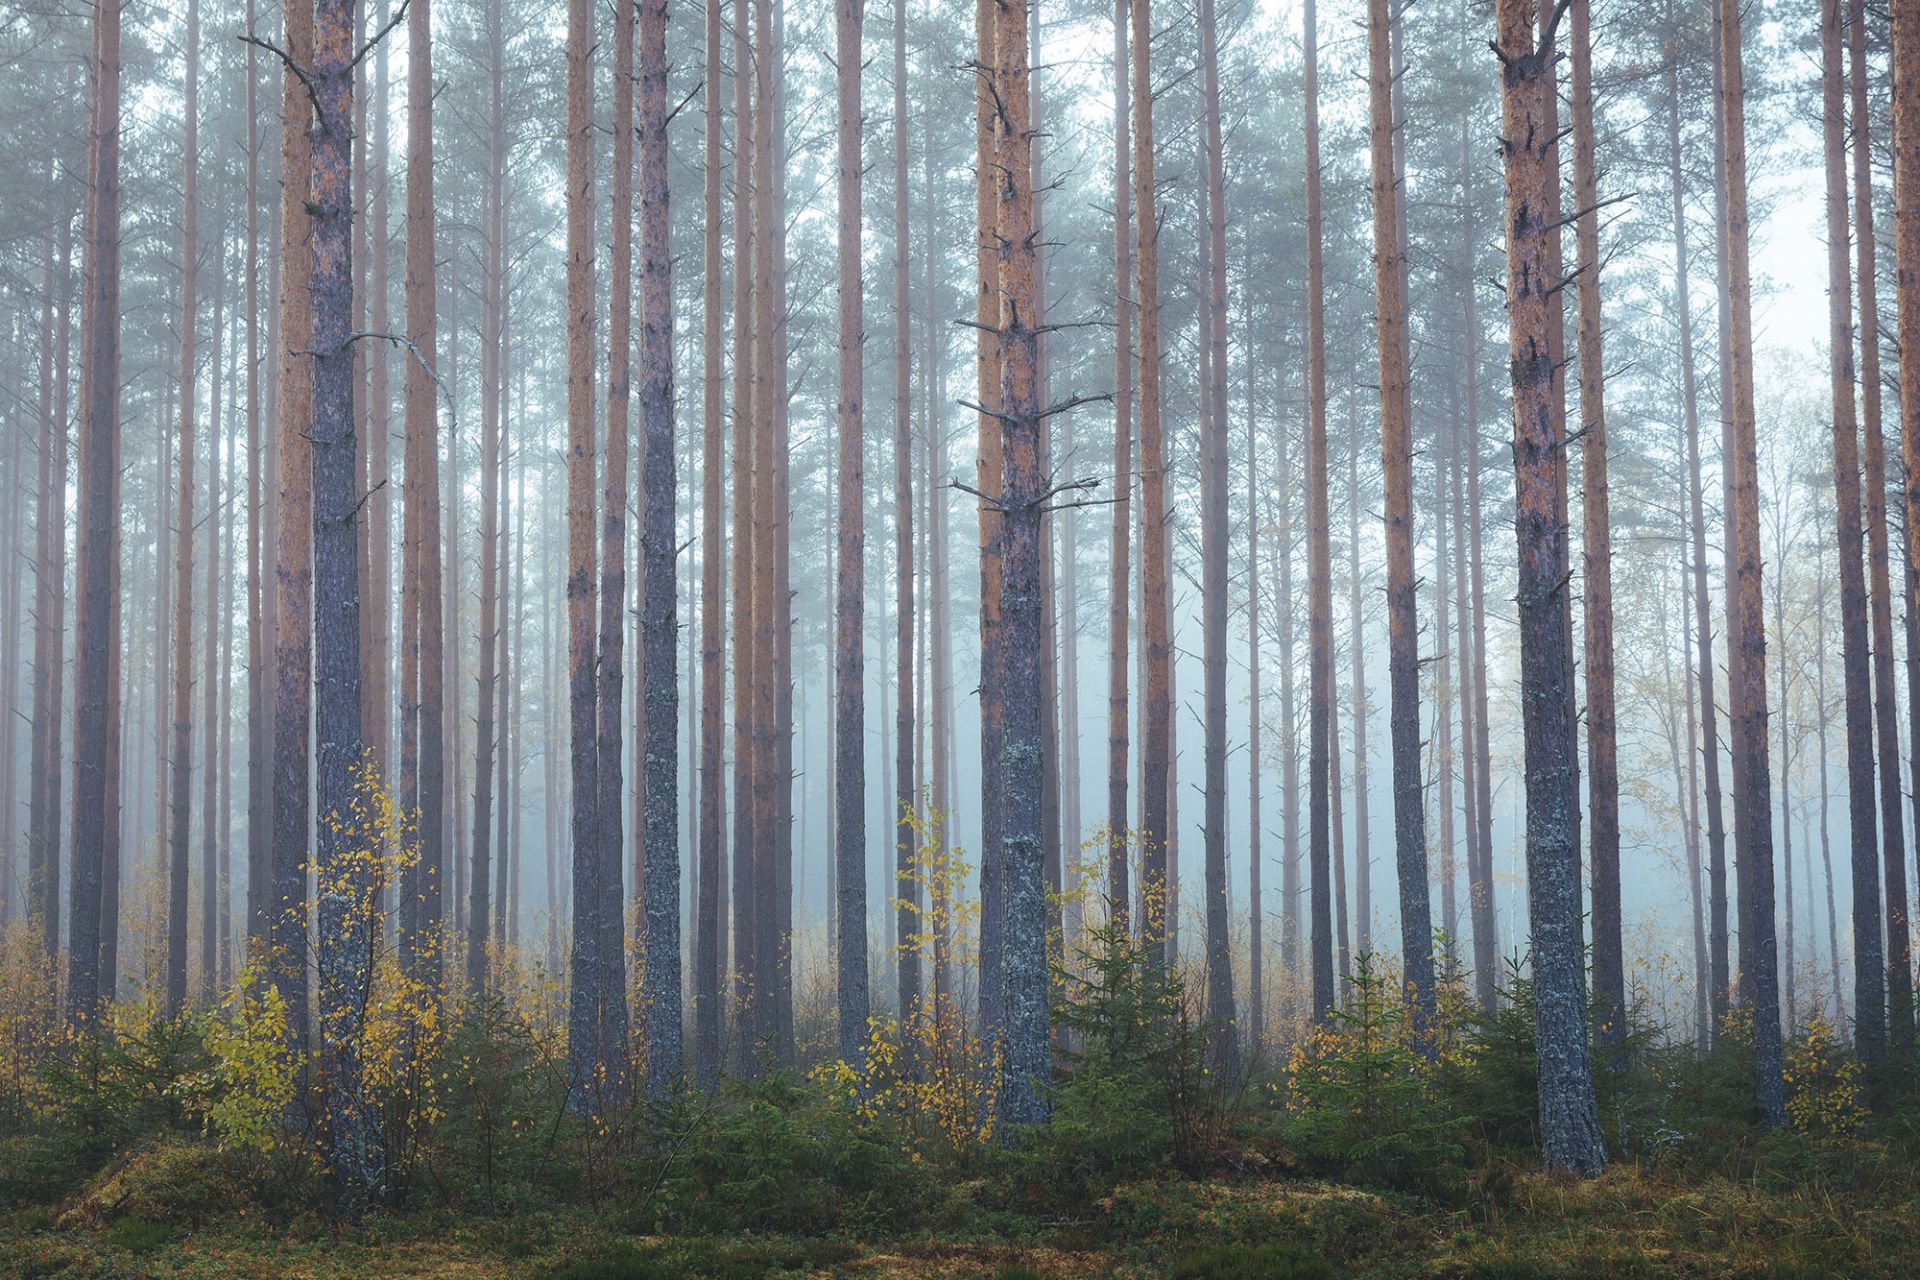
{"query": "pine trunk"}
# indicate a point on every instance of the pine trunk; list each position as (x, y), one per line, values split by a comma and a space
(659, 623)
(1119, 541)
(1396, 453)
(1569, 1120)
(180, 803)
(1603, 775)
(293, 569)
(709, 954)
(850, 713)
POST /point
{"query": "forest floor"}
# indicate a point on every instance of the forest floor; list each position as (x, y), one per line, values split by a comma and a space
(1518, 1226)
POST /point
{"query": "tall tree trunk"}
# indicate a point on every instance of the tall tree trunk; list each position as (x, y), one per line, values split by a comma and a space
(1017, 615)
(377, 606)
(1746, 631)
(1702, 619)
(1157, 655)
(659, 624)
(987, 315)
(1119, 541)
(350, 1132)
(1480, 887)
(492, 393)
(1362, 845)
(586, 1052)
(259, 767)
(709, 956)
(609, 660)
(422, 718)
(293, 571)
(1213, 537)
(850, 706)
(905, 803)
(1869, 968)
(213, 669)
(1396, 453)
(50, 601)
(1879, 588)
(1321, 797)
(1569, 1121)
(1256, 900)
(1603, 775)
(179, 856)
(745, 930)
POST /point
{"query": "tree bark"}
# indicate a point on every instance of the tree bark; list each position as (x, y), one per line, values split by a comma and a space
(659, 623)
(179, 859)
(1746, 630)
(911, 924)
(745, 252)
(1017, 614)
(1879, 588)
(293, 571)
(50, 601)
(1603, 774)
(1569, 1121)
(1702, 619)
(1362, 846)
(1119, 541)
(709, 956)
(850, 708)
(1321, 798)
(1869, 967)
(586, 1053)
(1396, 453)
(1213, 537)
(1157, 658)
(609, 658)
(492, 392)
(350, 1132)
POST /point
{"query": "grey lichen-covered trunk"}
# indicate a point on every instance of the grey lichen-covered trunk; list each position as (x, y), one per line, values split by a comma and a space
(659, 623)
(849, 727)
(1028, 1049)
(1569, 1119)
(348, 920)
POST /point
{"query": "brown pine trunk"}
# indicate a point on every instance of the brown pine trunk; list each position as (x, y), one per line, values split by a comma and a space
(1869, 967)
(905, 802)
(213, 669)
(1356, 605)
(659, 626)
(609, 660)
(586, 1058)
(377, 605)
(1603, 775)
(1119, 541)
(745, 246)
(1569, 1121)
(259, 771)
(1879, 588)
(987, 312)
(1396, 452)
(180, 802)
(709, 957)
(1746, 629)
(1213, 553)
(850, 707)
(940, 659)
(1321, 797)
(1157, 657)
(293, 569)
(492, 391)
(422, 718)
